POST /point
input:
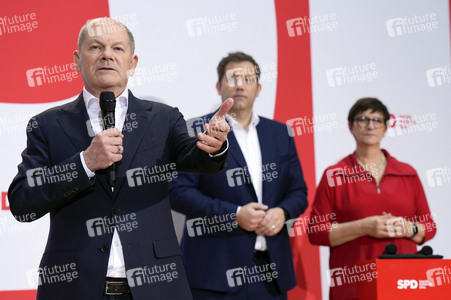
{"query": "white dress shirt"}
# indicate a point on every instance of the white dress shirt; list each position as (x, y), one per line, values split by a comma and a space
(116, 262)
(250, 147)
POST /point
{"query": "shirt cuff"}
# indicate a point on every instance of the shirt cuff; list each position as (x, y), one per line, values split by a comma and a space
(219, 154)
(90, 173)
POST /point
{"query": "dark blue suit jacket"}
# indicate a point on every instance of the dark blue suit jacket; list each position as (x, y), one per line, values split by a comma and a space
(209, 248)
(83, 211)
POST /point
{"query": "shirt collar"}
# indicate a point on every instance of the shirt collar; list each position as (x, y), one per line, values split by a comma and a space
(90, 99)
(255, 119)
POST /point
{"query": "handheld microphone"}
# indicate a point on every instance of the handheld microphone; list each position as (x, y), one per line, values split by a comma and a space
(107, 102)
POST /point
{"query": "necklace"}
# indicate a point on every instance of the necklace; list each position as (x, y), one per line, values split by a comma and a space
(374, 170)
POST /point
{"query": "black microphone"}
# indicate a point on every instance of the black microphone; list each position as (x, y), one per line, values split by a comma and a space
(425, 250)
(390, 249)
(107, 102)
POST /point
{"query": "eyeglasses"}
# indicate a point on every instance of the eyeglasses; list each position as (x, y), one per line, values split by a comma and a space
(364, 121)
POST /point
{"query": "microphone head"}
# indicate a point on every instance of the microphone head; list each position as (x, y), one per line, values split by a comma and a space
(107, 101)
(391, 249)
(426, 250)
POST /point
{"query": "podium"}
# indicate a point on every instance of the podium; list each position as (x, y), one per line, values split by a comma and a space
(410, 279)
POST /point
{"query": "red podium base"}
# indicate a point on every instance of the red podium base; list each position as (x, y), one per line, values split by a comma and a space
(411, 279)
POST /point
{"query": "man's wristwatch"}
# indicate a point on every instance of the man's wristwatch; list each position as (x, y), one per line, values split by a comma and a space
(415, 230)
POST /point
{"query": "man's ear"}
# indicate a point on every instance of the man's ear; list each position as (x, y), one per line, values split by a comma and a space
(218, 87)
(77, 60)
(134, 61)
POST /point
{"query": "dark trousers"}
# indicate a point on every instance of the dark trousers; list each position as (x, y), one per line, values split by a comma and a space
(261, 290)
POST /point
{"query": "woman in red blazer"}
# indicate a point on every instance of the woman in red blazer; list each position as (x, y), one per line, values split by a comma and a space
(365, 201)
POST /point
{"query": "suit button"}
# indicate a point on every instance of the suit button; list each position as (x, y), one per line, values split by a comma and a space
(104, 249)
(115, 210)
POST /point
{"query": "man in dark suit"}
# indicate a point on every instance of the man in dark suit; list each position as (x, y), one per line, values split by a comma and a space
(110, 239)
(235, 243)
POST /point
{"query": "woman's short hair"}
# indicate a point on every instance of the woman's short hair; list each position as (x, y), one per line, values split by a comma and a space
(363, 104)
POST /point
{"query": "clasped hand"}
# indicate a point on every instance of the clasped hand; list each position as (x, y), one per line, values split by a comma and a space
(257, 217)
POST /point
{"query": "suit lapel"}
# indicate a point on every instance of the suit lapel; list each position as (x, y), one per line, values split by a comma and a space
(266, 146)
(132, 139)
(75, 123)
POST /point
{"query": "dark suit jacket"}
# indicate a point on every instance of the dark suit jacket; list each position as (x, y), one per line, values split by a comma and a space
(83, 211)
(209, 251)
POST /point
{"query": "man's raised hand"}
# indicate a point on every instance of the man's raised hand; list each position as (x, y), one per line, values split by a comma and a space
(217, 130)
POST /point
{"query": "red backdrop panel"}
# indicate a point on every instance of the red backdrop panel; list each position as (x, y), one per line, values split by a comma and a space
(38, 40)
(294, 100)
